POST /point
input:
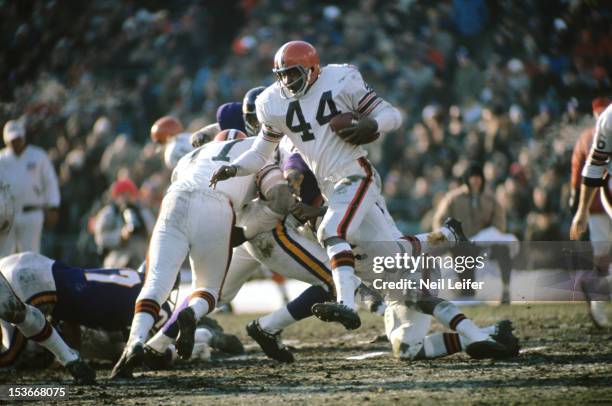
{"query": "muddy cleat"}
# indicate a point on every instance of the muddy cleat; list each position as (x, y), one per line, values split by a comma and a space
(130, 359)
(487, 349)
(503, 335)
(228, 343)
(271, 344)
(454, 226)
(82, 373)
(186, 337)
(332, 311)
(157, 361)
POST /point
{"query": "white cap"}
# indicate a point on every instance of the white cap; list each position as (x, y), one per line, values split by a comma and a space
(13, 129)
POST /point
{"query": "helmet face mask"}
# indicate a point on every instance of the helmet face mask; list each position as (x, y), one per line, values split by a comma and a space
(292, 80)
(251, 124)
(296, 66)
(249, 113)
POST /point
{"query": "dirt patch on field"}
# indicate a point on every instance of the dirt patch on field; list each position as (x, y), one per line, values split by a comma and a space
(564, 359)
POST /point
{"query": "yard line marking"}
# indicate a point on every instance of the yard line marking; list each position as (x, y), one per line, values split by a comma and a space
(367, 355)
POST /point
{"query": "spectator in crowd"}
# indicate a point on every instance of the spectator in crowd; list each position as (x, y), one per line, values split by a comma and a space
(506, 70)
(123, 227)
(478, 209)
(34, 186)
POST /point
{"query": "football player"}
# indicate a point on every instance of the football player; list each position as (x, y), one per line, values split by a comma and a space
(249, 114)
(198, 221)
(75, 297)
(32, 325)
(168, 131)
(301, 105)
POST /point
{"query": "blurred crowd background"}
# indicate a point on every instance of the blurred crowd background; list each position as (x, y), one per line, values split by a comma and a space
(507, 83)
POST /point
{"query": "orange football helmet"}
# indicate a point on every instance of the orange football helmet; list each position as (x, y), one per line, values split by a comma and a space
(297, 66)
(230, 134)
(165, 128)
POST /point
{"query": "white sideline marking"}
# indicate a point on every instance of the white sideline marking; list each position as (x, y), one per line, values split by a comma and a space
(532, 349)
(369, 355)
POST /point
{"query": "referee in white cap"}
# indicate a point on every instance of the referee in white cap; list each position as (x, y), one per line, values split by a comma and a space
(33, 184)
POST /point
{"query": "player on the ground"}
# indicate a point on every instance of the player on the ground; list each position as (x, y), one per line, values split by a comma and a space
(407, 328)
(76, 297)
(301, 105)
(33, 326)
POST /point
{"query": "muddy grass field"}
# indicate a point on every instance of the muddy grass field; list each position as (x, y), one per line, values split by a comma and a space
(564, 360)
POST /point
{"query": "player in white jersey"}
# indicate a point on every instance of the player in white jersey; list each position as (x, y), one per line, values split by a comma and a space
(168, 131)
(33, 325)
(595, 173)
(194, 219)
(301, 105)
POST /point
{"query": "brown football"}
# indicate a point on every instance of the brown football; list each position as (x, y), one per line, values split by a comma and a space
(341, 121)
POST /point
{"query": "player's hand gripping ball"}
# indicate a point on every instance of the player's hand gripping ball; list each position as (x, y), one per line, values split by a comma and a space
(356, 131)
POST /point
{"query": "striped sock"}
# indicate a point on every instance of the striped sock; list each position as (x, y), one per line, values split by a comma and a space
(449, 315)
(202, 302)
(146, 312)
(36, 328)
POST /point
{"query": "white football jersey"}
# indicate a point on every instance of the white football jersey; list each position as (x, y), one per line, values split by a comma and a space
(598, 162)
(339, 89)
(195, 169)
(176, 148)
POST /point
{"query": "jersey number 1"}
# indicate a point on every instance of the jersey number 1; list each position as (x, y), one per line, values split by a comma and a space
(294, 110)
(125, 277)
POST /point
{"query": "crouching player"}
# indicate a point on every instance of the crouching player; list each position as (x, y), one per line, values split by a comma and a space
(32, 325)
(77, 298)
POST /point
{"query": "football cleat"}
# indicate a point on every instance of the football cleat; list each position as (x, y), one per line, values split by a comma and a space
(130, 359)
(597, 309)
(157, 361)
(82, 373)
(503, 334)
(333, 311)
(487, 349)
(271, 344)
(187, 326)
(454, 226)
(228, 343)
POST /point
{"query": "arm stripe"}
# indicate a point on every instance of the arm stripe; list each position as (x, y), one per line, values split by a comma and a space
(373, 106)
(363, 99)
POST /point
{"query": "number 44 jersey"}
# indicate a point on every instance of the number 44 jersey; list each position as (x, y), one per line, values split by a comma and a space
(194, 170)
(339, 89)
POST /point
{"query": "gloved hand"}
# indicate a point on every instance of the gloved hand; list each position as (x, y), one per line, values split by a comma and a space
(304, 212)
(363, 132)
(198, 139)
(223, 173)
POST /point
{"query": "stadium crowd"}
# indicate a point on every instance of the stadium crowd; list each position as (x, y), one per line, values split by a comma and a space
(498, 82)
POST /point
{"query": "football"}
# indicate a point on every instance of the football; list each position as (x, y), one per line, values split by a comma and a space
(342, 120)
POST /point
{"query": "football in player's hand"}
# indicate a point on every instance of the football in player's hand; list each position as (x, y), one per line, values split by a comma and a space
(356, 131)
(342, 121)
